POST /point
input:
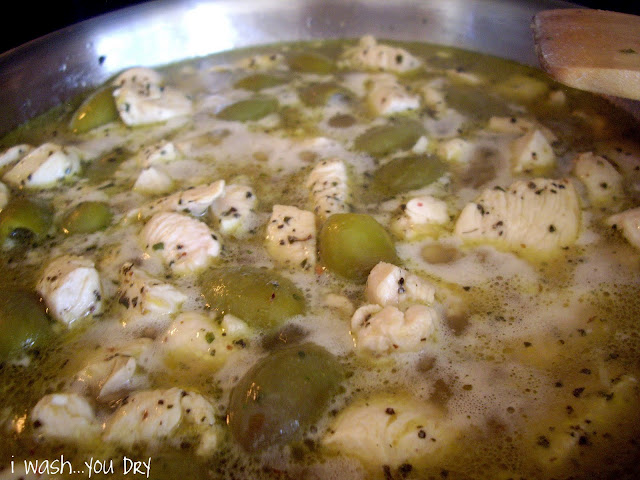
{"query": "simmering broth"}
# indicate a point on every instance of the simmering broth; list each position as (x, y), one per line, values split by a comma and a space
(341, 259)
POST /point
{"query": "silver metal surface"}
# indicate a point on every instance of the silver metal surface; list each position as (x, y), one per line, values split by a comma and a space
(51, 69)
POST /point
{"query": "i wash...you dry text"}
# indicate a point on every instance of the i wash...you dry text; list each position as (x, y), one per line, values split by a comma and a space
(92, 466)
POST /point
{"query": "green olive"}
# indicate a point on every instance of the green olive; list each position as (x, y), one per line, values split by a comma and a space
(87, 217)
(477, 102)
(407, 173)
(260, 297)
(23, 322)
(342, 120)
(318, 94)
(250, 109)
(97, 110)
(289, 334)
(384, 139)
(260, 81)
(351, 244)
(24, 220)
(282, 394)
(308, 62)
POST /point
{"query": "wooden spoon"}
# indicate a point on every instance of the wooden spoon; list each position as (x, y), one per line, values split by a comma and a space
(593, 50)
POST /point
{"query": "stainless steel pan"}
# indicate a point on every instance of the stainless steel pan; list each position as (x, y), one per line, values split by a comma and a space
(51, 69)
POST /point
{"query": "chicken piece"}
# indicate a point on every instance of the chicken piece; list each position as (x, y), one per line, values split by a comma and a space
(418, 215)
(380, 330)
(460, 75)
(157, 154)
(396, 319)
(199, 341)
(370, 55)
(66, 417)
(519, 125)
(391, 430)
(114, 371)
(194, 200)
(433, 98)
(185, 244)
(629, 222)
(4, 195)
(291, 236)
(44, 167)
(388, 284)
(13, 154)
(421, 146)
(598, 413)
(138, 75)
(603, 182)
(557, 98)
(235, 210)
(142, 99)
(153, 417)
(153, 181)
(144, 295)
(387, 96)
(339, 303)
(532, 153)
(144, 417)
(329, 189)
(540, 215)
(456, 150)
(70, 286)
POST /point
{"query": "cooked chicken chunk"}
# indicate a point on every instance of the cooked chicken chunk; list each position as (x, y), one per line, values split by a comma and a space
(114, 371)
(397, 317)
(291, 236)
(143, 295)
(154, 417)
(13, 154)
(391, 430)
(629, 222)
(201, 342)
(519, 125)
(418, 215)
(540, 215)
(194, 200)
(388, 284)
(460, 75)
(185, 244)
(4, 195)
(44, 167)
(387, 96)
(157, 154)
(66, 417)
(379, 330)
(70, 286)
(605, 410)
(329, 189)
(532, 153)
(456, 150)
(433, 98)
(142, 99)
(602, 180)
(153, 181)
(369, 54)
(235, 210)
